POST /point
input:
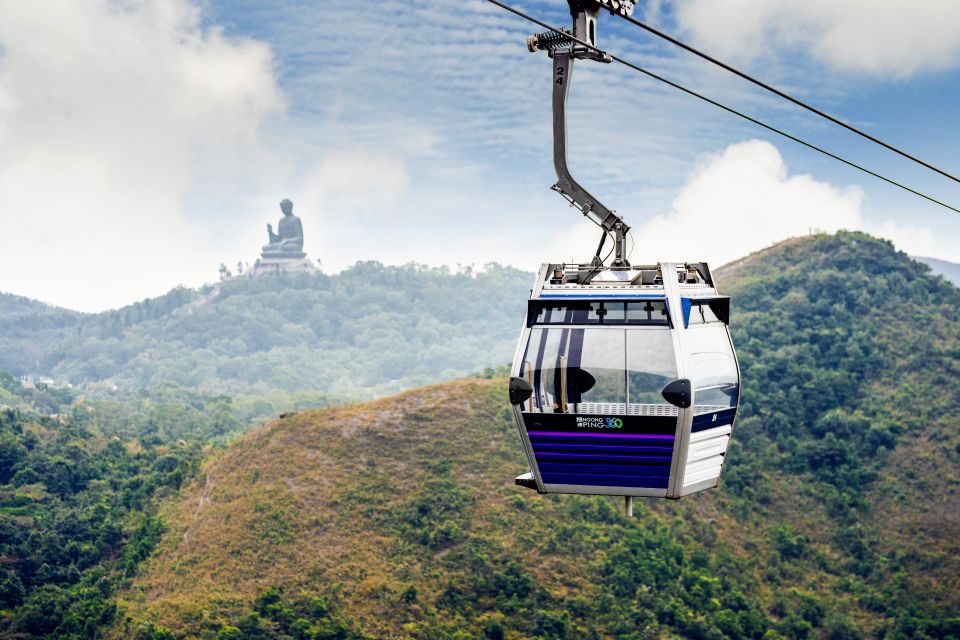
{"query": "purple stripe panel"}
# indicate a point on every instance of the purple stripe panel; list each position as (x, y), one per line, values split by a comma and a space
(658, 471)
(616, 447)
(603, 456)
(601, 435)
(594, 480)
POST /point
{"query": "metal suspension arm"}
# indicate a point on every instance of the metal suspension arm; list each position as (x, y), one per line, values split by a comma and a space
(564, 51)
(566, 186)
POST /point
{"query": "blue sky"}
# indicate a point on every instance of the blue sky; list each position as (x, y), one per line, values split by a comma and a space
(147, 142)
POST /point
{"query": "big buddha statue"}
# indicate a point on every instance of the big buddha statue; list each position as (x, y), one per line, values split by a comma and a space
(287, 242)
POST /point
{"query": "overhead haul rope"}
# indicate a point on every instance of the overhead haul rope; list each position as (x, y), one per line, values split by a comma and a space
(720, 105)
(784, 95)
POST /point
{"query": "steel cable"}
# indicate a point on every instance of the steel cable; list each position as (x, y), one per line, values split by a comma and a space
(783, 94)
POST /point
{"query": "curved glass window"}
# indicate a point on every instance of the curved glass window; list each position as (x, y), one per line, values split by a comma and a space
(651, 364)
(602, 362)
(713, 368)
(598, 371)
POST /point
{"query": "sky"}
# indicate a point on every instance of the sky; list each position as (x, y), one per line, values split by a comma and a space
(145, 142)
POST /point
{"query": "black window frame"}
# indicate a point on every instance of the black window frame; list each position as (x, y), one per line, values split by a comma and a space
(581, 308)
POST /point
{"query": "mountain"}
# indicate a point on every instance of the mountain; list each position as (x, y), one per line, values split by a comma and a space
(12, 306)
(27, 330)
(369, 330)
(836, 517)
(949, 270)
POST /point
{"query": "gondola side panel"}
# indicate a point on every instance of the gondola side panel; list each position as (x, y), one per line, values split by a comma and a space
(596, 453)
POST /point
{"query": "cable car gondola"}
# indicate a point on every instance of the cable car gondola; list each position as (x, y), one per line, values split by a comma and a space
(625, 380)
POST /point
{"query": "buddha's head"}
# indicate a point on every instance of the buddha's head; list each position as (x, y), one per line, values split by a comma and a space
(287, 207)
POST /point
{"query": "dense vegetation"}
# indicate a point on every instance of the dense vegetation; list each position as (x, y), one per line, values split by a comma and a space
(836, 517)
(162, 415)
(845, 349)
(850, 357)
(77, 515)
(285, 340)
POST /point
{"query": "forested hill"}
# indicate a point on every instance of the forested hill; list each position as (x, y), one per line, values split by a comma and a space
(26, 329)
(836, 517)
(12, 306)
(370, 329)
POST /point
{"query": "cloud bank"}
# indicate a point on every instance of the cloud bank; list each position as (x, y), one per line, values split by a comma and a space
(744, 199)
(111, 114)
(886, 38)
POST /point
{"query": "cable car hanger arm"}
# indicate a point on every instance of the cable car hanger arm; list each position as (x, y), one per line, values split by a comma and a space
(564, 49)
(566, 185)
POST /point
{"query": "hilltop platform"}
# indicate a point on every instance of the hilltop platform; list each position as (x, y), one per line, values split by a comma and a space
(265, 266)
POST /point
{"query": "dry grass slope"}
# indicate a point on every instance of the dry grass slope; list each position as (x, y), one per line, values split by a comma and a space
(315, 503)
(301, 503)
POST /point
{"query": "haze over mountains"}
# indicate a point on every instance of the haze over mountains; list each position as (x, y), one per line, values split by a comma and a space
(368, 330)
(949, 270)
(211, 362)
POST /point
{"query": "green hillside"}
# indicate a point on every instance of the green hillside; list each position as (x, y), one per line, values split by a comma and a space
(12, 306)
(836, 517)
(29, 330)
(77, 515)
(369, 330)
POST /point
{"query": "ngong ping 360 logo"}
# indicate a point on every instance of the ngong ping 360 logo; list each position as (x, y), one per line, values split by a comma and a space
(584, 422)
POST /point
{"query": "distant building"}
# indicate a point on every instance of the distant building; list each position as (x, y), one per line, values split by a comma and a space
(29, 382)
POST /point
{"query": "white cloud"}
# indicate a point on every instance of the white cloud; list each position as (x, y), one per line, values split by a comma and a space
(111, 115)
(881, 37)
(357, 182)
(915, 240)
(745, 199)
(738, 201)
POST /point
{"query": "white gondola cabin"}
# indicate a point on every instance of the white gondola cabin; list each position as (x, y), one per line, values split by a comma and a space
(625, 381)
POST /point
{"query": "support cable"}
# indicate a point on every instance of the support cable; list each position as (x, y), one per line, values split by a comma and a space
(784, 95)
(720, 105)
